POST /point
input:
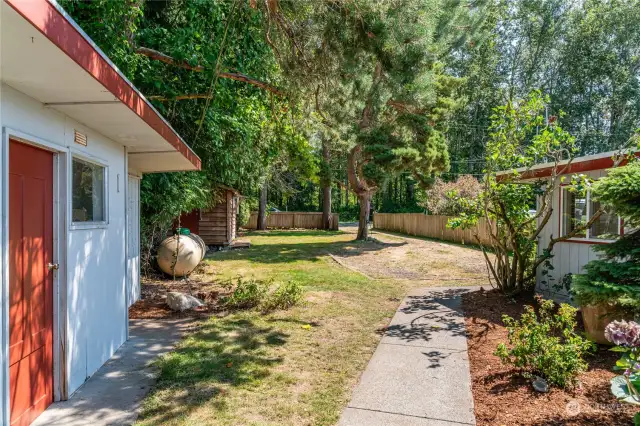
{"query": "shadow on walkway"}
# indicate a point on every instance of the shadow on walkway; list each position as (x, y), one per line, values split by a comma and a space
(112, 396)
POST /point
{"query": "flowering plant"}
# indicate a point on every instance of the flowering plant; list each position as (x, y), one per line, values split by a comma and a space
(626, 336)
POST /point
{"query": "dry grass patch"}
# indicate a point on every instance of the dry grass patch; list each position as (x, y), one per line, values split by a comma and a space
(288, 367)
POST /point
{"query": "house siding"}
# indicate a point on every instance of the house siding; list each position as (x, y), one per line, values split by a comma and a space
(568, 257)
(95, 266)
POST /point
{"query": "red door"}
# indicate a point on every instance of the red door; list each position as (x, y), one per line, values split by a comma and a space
(30, 281)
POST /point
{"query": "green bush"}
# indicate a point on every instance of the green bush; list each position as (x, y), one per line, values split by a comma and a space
(546, 346)
(252, 293)
(284, 297)
(246, 206)
(247, 294)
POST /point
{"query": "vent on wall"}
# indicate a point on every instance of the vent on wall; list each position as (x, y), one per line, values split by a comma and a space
(80, 138)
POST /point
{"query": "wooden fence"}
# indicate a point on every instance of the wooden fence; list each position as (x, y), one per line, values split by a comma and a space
(291, 220)
(430, 226)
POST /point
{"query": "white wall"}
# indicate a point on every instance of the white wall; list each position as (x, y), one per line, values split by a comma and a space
(133, 239)
(95, 265)
(569, 257)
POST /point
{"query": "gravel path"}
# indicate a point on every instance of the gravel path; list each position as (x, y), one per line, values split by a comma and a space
(416, 259)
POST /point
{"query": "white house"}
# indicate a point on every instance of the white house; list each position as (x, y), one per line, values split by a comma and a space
(569, 210)
(76, 138)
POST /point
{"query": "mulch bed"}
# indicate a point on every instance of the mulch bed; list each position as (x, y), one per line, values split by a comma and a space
(154, 289)
(502, 397)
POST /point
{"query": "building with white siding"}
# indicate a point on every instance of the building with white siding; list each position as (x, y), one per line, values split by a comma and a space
(76, 138)
(569, 210)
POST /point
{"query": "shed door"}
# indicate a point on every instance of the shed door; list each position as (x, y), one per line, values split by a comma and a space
(30, 281)
(133, 239)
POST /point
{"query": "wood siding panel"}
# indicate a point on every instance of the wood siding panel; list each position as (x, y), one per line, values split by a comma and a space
(217, 225)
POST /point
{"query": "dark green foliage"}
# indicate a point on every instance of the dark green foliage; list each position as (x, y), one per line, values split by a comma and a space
(283, 297)
(239, 132)
(248, 293)
(252, 293)
(546, 344)
(615, 277)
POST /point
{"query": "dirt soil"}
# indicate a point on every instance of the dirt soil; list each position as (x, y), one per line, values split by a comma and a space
(502, 397)
(152, 303)
(417, 260)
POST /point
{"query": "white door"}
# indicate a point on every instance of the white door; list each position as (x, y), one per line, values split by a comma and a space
(133, 239)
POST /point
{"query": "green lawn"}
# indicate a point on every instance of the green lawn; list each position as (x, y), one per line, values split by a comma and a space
(294, 367)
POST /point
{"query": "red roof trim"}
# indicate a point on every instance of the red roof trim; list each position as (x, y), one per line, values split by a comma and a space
(56, 27)
(576, 166)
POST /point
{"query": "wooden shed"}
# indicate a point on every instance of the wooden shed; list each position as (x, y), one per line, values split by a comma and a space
(216, 226)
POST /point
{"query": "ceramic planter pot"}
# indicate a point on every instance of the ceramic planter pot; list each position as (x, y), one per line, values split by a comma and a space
(596, 318)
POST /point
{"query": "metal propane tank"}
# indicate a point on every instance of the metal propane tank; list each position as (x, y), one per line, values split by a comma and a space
(191, 251)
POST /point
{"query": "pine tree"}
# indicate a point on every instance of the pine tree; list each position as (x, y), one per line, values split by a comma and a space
(373, 72)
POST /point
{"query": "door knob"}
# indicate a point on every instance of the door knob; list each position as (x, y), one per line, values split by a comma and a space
(53, 266)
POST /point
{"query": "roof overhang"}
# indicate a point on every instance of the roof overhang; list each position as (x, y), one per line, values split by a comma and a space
(604, 160)
(48, 57)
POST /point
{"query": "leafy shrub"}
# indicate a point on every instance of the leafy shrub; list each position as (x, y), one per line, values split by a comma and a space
(247, 294)
(252, 293)
(444, 198)
(247, 205)
(285, 296)
(547, 346)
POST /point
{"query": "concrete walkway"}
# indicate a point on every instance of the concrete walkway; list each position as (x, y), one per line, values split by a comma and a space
(113, 394)
(419, 374)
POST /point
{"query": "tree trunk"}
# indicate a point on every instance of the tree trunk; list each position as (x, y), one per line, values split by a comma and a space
(326, 186)
(346, 194)
(410, 191)
(262, 209)
(326, 207)
(365, 208)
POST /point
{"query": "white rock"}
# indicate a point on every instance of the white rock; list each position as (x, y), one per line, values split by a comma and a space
(540, 384)
(181, 302)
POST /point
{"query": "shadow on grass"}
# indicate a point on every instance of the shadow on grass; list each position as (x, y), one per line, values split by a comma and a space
(292, 233)
(300, 250)
(223, 353)
(470, 245)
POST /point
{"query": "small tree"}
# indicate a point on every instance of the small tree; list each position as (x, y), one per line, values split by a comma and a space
(521, 137)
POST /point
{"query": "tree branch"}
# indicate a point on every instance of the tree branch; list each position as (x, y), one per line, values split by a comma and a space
(160, 98)
(159, 56)
(251, 81)
(352, 165)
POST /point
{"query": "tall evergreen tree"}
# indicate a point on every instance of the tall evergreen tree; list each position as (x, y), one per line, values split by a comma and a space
(374, 73)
